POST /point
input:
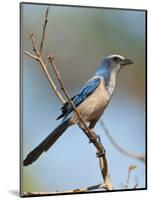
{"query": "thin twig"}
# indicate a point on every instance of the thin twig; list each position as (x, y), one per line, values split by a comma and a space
(118, 147)
(51, 81)
(130, 169)
(31, 55)
(89, 133)
(34, 44)
(44, 30)
(46, 63)
(128, 179)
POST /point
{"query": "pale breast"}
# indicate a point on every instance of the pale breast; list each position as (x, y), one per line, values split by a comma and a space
(95, 104)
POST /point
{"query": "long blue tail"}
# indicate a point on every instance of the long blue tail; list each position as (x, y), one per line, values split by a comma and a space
(46, 143)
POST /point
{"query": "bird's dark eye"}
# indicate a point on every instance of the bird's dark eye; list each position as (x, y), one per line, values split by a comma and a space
(116, 59)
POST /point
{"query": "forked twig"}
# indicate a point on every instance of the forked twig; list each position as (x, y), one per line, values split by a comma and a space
(31, 55)
(44, 67)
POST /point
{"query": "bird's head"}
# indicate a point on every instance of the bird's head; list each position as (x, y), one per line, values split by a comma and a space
(113, 63)
(116, 62)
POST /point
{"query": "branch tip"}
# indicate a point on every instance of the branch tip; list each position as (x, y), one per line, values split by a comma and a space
(31, 34)
(51, 57)
(44, 30)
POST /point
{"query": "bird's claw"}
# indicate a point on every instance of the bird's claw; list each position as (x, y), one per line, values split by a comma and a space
(91, 140)
(100, 154)
(98, 138)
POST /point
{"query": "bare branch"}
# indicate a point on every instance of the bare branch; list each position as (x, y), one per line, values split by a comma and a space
(51, 81)
(97, 187)
(34, 44)
(44, 30)
(46, 63)
(118, 147)
(89, 133)
(44, 68)
(31, 55)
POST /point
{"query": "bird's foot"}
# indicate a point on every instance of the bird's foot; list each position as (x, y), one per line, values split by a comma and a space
(92, 140)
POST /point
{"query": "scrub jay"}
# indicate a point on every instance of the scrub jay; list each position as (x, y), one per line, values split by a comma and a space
(91, 102)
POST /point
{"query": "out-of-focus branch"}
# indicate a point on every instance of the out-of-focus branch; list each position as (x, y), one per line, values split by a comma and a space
(130, 169)
(118, 147)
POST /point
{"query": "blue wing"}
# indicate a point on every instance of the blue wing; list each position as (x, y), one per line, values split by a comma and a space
(86, 91)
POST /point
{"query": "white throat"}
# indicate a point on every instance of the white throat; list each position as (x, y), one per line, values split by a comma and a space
(112, 82)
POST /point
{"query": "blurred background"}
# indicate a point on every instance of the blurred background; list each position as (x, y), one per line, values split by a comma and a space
(79, 38)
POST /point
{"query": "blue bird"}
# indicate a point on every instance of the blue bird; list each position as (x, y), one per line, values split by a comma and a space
(91, 102)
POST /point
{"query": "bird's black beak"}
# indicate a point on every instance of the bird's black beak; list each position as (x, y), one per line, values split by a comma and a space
(126, 62)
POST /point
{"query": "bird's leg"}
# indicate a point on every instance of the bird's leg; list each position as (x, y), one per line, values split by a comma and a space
(91, 126)
(93, 139)
(81, 125)
(95, 136)
(102, 153)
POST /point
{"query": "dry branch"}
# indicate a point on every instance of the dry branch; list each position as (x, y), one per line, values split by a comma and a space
(78, 190)
(44, 30)
(89, 133)
(44, 67)
(31, 55)
(34, 44)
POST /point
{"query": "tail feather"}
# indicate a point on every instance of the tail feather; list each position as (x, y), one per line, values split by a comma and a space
(46, 143)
